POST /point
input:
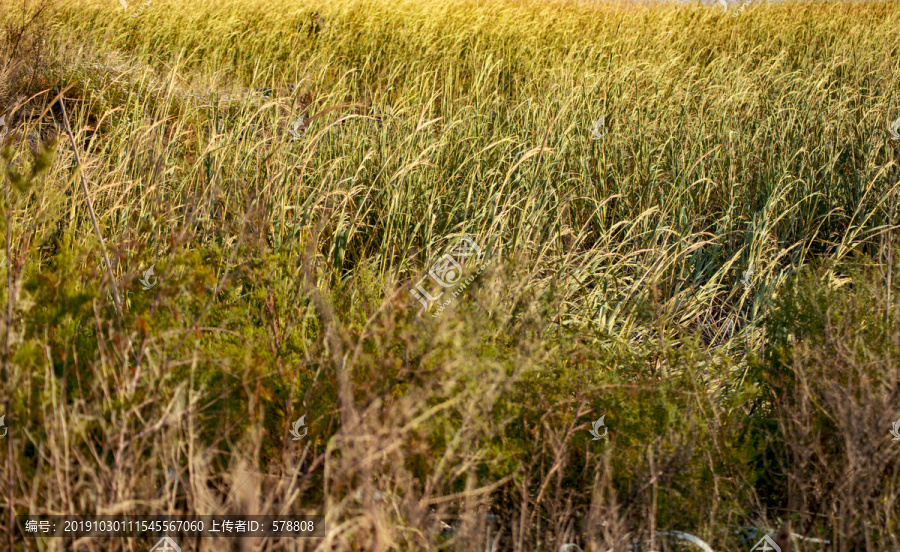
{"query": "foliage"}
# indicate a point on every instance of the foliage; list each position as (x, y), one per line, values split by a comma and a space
(284, 265)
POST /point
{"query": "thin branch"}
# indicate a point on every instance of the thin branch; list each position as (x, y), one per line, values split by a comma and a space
(90, 207)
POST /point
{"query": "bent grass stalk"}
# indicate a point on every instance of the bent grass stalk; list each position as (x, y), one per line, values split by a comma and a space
(616, 263)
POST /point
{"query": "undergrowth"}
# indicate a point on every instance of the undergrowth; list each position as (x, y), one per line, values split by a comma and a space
(712, 274)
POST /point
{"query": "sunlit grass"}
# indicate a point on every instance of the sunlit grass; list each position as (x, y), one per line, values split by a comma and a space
(285, 262)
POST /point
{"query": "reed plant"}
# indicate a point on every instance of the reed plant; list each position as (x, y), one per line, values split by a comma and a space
(713, 273)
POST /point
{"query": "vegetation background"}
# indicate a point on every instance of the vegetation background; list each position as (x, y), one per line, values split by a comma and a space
(714, 275)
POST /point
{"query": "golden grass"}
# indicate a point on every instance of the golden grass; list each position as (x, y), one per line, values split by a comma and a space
(285, 264)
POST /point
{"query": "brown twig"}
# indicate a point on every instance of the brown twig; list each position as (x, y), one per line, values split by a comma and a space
(90, 207)
(7, 373)
(10, 482)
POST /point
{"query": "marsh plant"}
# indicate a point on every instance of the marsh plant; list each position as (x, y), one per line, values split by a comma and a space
(288, 267)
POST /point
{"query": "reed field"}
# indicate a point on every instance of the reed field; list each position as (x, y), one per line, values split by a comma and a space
(660, 239)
